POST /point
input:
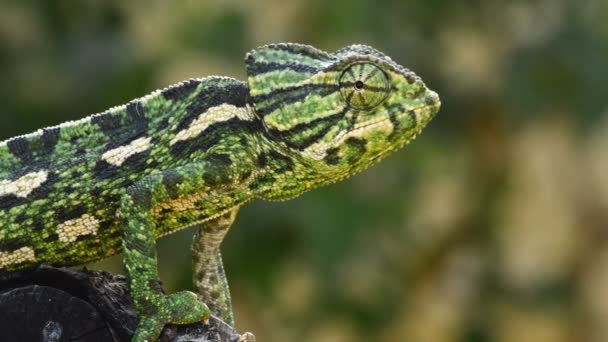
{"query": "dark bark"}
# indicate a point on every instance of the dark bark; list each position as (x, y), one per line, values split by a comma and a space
(62, 304)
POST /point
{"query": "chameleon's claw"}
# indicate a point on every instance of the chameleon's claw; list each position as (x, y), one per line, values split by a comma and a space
(247, 337)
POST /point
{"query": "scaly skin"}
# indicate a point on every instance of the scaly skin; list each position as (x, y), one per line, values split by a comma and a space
(195, 152)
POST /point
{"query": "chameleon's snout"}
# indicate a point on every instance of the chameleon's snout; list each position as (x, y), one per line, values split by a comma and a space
(423, 110)
(433, 102)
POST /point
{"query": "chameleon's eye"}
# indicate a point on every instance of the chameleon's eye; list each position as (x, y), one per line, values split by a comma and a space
(364, 85)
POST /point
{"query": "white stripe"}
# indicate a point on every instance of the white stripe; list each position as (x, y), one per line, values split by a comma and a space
(23, 186)
(319, 150)
(115, 109)
(223, 112)
(17, 256)
(70, 230)
(118, 155)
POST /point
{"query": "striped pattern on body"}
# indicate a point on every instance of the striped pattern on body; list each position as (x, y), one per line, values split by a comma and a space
(60, 186)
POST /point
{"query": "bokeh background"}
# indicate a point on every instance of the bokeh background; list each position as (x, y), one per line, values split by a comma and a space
(491, 226)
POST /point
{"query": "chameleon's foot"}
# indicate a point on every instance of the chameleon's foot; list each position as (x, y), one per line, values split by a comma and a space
(178, 308)
(185, 308)
(247, 337)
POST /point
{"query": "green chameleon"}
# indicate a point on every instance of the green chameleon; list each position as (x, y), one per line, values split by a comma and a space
(194, 153)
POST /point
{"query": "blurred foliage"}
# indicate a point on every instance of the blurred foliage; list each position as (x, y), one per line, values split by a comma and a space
(490, 227)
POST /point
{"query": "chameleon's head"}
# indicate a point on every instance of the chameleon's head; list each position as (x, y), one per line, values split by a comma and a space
(339, 112)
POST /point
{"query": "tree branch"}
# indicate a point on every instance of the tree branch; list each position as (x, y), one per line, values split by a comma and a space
(59, 304)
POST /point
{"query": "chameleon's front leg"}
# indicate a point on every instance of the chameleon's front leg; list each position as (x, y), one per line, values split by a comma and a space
(139, 246)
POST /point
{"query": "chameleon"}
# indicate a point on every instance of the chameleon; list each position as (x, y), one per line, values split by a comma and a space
(194, 153)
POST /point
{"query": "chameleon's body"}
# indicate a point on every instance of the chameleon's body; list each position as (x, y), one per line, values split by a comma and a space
(194, 152)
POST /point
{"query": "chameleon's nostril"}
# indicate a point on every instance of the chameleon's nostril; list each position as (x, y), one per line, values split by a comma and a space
(430, 99)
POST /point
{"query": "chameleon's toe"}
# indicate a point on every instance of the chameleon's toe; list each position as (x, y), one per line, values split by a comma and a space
(247, 337)
(185, 308)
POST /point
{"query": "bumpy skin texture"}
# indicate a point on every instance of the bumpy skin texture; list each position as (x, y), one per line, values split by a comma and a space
(195, 152)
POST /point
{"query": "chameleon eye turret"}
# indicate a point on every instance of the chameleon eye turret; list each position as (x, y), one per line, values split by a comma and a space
(364, 85)
(194, 153)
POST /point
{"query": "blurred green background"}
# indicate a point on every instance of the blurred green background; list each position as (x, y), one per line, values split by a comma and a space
(491, 226)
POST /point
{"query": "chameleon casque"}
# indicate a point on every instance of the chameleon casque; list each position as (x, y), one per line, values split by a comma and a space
(194, 153)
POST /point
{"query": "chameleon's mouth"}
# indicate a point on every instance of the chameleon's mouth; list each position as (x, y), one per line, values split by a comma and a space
(427, 110)
(424, 114)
